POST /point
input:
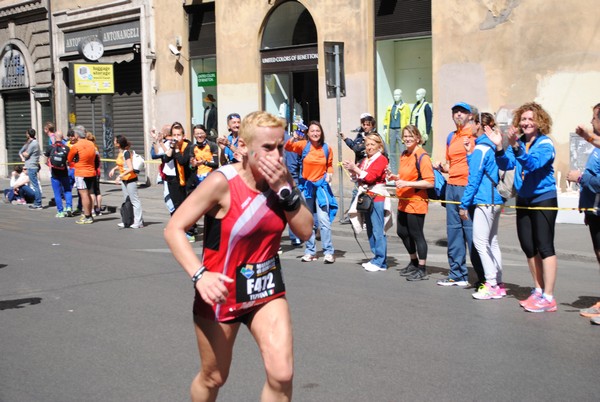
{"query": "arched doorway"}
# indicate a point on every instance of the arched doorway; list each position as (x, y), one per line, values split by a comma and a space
(289, 60)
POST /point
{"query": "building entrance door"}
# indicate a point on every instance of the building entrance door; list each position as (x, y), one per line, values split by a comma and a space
(292, 95)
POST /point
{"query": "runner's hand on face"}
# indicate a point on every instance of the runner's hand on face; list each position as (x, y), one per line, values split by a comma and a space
(274, 172)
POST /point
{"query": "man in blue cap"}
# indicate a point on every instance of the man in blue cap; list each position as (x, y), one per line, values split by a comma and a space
(459, 232)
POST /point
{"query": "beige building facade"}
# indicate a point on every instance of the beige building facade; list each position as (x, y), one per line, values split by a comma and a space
(25, 74)
(501, 54)
(190, 60)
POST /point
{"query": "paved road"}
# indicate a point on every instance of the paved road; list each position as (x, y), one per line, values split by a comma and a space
(94, 313)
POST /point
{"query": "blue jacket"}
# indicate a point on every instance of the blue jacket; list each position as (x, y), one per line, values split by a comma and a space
(483, 175)
(590, 184)
(228, 152)
(358, 146)
(292, 160)
(321, 190)
(534, 171)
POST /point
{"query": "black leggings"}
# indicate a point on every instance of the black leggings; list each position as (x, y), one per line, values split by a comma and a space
(593, 222)
(176, 191)
(535, 228)
(410, 230)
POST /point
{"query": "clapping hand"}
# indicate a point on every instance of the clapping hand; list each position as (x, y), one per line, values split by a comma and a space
(583, 132)
(513, 135)
(467, 144)
(494, 135)
(156, 135)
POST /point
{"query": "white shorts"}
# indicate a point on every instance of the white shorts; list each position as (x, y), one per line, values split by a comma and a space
(84, 183)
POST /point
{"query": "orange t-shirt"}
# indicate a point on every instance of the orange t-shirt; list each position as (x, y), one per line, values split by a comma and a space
(410, 199)
(456, 155)
(85, 165)
(314, 164)
(120, 162)
(203, 153)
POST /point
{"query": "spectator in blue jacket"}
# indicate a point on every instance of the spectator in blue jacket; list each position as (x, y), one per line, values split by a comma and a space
(589, 182)
(531, 153)
(482, 203)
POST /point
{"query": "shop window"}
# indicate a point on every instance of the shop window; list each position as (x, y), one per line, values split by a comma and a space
(204, 94)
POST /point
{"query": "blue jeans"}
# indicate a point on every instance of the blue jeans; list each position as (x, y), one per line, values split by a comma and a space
(460, 237)
(72, 183)
(293, 237)
(10, 195)
(27, 193)
(322, 217)
(32, 173)
(61, 186)
(376, 233)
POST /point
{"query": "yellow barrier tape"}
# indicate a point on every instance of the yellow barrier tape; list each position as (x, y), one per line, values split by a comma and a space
(487, 205)
(101, 159)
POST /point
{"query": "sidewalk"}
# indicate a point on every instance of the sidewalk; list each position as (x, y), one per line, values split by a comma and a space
(572, 241)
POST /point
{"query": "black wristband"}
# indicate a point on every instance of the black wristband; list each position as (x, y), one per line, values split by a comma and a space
(292, 202)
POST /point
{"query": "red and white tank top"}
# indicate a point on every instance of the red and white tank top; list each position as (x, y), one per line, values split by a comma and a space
(243, 245)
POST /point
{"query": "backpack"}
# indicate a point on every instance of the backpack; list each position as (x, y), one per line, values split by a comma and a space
(506, 184)
(127, 213)
(58, 157)
(138, 162)
(438, 192)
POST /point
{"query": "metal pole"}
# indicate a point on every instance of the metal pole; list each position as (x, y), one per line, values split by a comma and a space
(336, 52)
(93, 100)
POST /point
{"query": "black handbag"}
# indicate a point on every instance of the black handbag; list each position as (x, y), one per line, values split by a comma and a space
(364, 203)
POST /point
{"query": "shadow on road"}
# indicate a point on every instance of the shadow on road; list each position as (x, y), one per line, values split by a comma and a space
(19, 303)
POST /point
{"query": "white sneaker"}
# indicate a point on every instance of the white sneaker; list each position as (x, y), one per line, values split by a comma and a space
(329, 259)
(121, 225)
(138, 226)
(308, 258)
(372, 267)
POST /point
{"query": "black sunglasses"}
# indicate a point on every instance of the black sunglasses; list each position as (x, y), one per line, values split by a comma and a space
(233, 116)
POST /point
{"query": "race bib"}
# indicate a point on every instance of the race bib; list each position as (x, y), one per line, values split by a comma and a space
(256, 281)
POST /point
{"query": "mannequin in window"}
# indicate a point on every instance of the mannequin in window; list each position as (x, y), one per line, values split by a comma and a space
(284, 111)
(396, 116)
(210, 117)
(422, 115)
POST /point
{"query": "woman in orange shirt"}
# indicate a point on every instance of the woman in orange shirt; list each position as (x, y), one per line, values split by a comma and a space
(128, 179)
(315, 175)
(412, 182)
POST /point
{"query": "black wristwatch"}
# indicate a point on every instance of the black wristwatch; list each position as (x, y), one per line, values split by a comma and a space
(198, 275)
(284, 192)
(289, 199)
